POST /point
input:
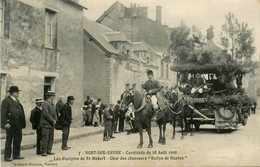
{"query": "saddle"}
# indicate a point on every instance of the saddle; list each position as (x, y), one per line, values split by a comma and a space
(162, 103)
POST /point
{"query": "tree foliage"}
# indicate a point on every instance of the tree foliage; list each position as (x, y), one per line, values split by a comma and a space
(237, 39)
(181, 45)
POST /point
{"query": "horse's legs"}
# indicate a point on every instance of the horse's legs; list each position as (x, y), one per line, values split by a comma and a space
(173, 127)
(182, 127)
(150, 137)
(160, 136)
(140, 145)
(164, 139)
(185, 125)
(192, 129)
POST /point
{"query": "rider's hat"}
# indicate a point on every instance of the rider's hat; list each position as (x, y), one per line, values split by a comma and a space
(149, 72)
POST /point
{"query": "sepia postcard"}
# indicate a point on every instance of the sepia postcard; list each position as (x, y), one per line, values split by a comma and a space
(138, 83)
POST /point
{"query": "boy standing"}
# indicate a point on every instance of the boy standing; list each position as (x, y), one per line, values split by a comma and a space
(35, 120)
(107, 123)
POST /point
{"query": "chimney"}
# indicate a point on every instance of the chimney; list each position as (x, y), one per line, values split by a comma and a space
(159, 14)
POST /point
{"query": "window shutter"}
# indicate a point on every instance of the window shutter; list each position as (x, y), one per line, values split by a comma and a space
(6, 18)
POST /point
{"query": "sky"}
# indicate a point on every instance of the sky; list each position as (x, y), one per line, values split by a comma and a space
(202, 13)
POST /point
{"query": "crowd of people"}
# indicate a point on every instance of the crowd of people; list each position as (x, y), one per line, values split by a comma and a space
(44, 119)
(113, 118)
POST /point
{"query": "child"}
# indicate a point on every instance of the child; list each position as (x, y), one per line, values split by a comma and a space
(128, 119)
(107, 123)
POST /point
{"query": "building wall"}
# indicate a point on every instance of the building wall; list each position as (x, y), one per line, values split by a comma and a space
(141, 28)
(137, 28)
(96, 71)
(26, 61)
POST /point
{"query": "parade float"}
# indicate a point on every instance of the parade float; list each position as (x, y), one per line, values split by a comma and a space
(223, 101)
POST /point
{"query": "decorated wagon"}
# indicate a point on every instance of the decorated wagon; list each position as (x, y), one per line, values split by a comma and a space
(210, 81)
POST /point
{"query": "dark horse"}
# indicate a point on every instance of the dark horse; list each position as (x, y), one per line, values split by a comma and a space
(143, 116)
(173, 112)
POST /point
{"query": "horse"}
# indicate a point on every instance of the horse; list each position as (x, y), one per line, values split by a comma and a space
(172, 112)
(143, 114)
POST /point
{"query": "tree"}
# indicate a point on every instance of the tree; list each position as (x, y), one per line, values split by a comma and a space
(237, 39)
(181, 46)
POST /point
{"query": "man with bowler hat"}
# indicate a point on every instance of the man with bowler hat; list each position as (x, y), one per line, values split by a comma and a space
(47, 123)
(66, 120)
(35, 120)
(13, 121)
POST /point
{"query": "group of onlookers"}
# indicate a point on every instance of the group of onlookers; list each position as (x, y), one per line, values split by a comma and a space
(44, 119)
(114, 118)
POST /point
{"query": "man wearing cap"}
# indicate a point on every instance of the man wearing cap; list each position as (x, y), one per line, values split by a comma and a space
(107, 123)
(152, 87)
(13, 121)
(35, 120)
(66, 120)
(47, 123)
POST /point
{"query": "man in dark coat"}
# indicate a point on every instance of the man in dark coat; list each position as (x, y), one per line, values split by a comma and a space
(66, 120)
(35, 120)
(87, 101)
(59, 107)
(117, 114)
(13, 121)
(113, 120)
(47, 123)
(122, 119)
(127, 89)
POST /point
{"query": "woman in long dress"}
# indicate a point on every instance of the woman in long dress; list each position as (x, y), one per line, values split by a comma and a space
(96, 119)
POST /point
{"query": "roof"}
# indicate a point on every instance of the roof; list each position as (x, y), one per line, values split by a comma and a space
(133, 56)
(97, 32)
(137, 46)
(109, 10)
(156, 35)
(115, 36)
(76, 3)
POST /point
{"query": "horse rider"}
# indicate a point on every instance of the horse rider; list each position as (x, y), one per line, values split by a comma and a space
(152, 87)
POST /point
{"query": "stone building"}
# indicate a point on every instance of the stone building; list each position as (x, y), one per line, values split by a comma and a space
(137, 27)
(117, 61)
(41, 49)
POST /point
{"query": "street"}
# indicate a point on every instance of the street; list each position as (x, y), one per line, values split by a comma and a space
(205, 148)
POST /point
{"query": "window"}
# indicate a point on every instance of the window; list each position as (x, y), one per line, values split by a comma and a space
(1, 17)
(48, 85)
(162, 70)
(50, 28)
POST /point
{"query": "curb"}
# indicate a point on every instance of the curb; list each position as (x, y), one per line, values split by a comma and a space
(58, 140)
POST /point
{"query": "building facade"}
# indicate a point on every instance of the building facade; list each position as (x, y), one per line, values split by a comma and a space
(42, 49)
(118, 61)
(137, 27)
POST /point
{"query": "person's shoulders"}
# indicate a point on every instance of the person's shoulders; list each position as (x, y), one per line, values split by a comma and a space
(34, 109)
(66, 105)
(46, 103)
(7, 99)
(156, 81)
